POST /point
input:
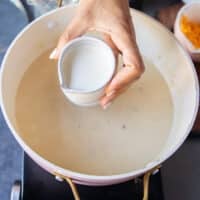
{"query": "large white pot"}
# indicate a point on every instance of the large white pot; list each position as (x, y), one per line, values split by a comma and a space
(155, 43)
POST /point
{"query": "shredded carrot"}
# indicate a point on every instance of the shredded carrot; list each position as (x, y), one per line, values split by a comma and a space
(191, 30)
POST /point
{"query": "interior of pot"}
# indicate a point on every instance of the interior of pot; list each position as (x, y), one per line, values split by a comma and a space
(154, 42)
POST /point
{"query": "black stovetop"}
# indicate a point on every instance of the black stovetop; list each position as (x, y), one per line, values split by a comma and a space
(40, 185)
(178, 179)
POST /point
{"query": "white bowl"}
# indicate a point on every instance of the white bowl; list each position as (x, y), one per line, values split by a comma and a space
(191, 10)
(85, 67)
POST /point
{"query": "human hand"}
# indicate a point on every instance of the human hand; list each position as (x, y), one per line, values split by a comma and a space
(112, 18)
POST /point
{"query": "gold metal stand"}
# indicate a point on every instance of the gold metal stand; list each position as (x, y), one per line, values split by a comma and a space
(59, 3)
(146, 180)
(71, 184)
(73, 188)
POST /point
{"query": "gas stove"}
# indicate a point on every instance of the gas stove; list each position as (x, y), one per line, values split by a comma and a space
(177, 179)
(37, 184)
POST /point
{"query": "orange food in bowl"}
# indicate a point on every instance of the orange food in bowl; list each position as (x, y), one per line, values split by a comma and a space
(191, 30)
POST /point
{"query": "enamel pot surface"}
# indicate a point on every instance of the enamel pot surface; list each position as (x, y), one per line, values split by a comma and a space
(155, 43)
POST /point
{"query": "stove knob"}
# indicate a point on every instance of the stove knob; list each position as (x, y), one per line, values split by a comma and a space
(16, 191)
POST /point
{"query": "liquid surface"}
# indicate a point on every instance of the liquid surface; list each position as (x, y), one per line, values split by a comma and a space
(87, 67)
(127, 136)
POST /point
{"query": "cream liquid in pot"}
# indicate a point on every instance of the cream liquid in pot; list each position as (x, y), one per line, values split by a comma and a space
(127, 136)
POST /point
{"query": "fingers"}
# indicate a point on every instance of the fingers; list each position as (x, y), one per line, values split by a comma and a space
(107, 38)
(124, 40)
(76, 28)
(119, 84)
(107, 100)
(123, 78)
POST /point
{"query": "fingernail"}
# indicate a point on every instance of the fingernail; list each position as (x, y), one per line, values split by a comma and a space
(53, 54)
(110, 93)
(107, 105)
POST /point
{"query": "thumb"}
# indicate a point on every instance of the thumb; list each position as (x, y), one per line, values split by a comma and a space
(76, 28)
